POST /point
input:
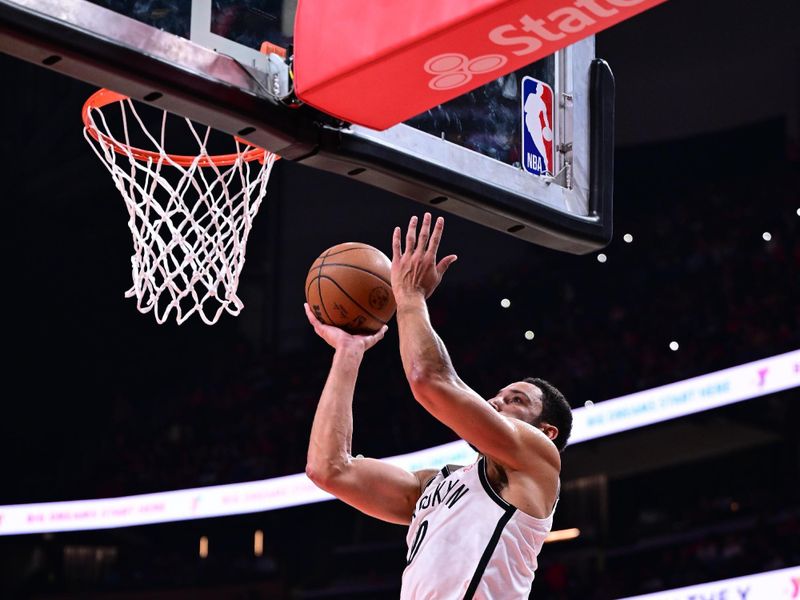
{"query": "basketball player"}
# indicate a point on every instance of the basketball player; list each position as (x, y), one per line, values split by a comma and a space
(475, 531)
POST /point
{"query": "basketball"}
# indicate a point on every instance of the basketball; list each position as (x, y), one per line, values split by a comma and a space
(349, 286)
(547, 134)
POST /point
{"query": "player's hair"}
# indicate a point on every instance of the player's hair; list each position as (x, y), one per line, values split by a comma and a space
(555, 410)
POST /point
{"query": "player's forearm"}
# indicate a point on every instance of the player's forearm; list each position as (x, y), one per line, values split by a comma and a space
(330, 446)
(424, 355)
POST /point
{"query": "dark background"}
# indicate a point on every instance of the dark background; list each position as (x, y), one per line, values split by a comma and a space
(99, 400)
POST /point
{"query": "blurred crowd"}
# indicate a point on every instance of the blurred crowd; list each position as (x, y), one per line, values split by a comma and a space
(734, 548)
(248, 22)
(705, 521)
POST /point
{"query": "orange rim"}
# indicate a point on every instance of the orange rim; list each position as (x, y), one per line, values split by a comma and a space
(105, 97)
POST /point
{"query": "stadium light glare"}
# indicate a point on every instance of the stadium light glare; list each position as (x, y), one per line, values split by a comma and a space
(258, 543)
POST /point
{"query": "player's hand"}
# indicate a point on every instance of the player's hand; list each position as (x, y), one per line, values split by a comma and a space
(415, 270)
(339, 338)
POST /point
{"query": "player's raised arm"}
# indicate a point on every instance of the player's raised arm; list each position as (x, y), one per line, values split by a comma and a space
(376, 488)
(434, 382)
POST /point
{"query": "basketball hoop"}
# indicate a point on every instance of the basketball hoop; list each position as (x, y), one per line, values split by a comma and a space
(189, 215)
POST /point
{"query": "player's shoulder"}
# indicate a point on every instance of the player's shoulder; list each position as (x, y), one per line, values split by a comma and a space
(537, 452)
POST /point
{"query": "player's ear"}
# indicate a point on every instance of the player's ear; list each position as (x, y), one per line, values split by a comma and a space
(551, 431)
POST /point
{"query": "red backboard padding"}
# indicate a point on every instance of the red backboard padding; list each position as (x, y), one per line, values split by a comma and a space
(379, 62)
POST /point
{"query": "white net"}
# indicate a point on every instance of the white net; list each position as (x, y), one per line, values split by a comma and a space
(190, 219)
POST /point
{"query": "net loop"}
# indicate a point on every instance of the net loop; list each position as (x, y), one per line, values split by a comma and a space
(190, 216)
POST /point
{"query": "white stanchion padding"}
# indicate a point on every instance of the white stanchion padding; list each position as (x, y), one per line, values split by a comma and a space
(189, 222)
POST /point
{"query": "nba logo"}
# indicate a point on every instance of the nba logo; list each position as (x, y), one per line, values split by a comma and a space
(537, 127)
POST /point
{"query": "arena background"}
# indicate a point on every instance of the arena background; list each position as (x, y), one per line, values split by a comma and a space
(99, 401)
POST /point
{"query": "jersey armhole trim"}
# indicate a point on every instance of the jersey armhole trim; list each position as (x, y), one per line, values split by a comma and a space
(428, 483)
(448, 470)
(488, 488)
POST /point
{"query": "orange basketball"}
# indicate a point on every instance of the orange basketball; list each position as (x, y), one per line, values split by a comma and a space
(349, 286)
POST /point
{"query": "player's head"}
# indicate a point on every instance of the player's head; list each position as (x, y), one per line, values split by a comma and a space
(539, 403)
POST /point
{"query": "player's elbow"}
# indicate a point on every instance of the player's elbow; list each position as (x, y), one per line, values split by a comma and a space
(324, 475)
(318, 476)
(426, 373)
(427, 383)
(420, 377)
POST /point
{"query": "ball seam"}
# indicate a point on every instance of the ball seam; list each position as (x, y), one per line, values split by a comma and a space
(353, 300)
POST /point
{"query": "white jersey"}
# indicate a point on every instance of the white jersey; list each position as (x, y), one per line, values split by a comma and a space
(466, 542)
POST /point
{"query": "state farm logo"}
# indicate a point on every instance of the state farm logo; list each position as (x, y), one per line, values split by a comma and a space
(528, 34)
(452, 70)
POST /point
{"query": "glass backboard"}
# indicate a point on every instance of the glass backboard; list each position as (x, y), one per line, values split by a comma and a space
(481, 156)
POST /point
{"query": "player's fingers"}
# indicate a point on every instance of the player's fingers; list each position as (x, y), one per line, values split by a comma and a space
(376, 337)
(436, 237)
(411, 234)
(424, 233)
(312, 318)
(445, 263)
(396, 250)
(380, 333)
